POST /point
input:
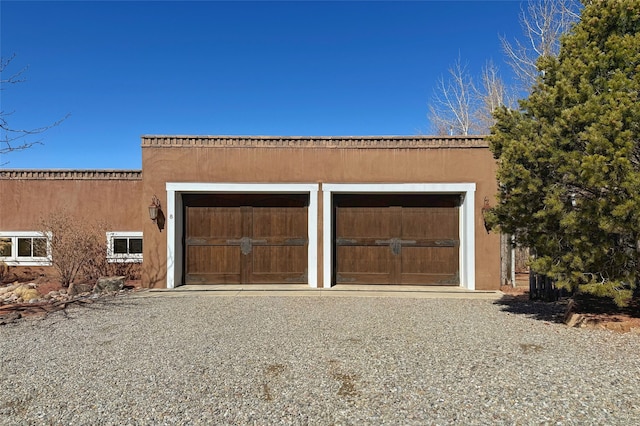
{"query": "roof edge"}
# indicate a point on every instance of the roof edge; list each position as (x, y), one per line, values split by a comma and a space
(70, 174)
(371, 142)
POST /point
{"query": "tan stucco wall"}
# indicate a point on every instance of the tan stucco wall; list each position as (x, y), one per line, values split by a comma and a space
(23, 203)
(286, 164)
(27, 197)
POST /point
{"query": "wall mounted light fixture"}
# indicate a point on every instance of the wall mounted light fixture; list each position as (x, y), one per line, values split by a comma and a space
(154, 208)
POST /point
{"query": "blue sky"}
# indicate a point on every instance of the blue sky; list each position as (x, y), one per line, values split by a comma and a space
(122, 69)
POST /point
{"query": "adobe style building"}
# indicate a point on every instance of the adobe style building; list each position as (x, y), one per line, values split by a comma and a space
(323, 211)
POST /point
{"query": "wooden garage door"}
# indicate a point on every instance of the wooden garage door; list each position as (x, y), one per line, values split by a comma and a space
(380, 242)
(246, 244)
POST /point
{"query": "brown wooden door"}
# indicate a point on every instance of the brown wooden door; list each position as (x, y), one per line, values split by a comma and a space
(246, 245)
(430, 246)
(361, 257)
(397, 244)
(209, 258)
(280, 245)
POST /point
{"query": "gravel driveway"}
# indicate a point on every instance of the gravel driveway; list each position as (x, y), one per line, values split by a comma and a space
(193, 358)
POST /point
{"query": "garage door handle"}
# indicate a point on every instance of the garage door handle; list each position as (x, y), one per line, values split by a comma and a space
(395, 244)
(246, 244)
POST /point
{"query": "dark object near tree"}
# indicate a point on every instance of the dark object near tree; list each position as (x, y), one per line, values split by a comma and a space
(544, 288)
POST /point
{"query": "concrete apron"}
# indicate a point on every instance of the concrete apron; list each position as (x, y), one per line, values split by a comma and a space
(340, 290)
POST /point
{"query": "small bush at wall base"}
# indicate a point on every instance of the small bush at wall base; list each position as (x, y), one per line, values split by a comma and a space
(77, 247)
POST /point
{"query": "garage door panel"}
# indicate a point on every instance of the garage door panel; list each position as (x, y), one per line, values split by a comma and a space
(412, 243)
(430, 223)
(245, 244)
(279, 223)
(364, 259)
(439, 260)
(279, 259)
(212, 222)
(362, 222)
(213, 265)
(214, 259)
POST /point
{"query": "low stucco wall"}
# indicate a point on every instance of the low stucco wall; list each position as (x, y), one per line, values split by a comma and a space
(28, 196)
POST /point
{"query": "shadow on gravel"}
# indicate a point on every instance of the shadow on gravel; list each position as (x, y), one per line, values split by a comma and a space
(543, 311)
(66, 310)
(108, 303)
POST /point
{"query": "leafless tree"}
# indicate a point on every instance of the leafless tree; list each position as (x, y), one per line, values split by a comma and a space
(16, 139)
(492, 94)
(460, 107)
(453, 102)
(542, 22)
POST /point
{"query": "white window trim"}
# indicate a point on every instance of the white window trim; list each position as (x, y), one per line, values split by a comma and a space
(121, 257)
(15, 260)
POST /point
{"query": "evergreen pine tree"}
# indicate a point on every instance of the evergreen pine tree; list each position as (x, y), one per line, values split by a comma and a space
(569, 157)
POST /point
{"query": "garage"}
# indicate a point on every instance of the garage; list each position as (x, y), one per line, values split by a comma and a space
(245, 238)
(405, 239)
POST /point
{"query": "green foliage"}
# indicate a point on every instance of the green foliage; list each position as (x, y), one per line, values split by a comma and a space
(569, 157)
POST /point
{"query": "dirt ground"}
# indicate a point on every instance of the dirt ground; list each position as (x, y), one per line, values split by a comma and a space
(590, 312)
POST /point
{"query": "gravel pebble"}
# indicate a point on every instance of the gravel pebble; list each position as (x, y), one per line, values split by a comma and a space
(194, 359)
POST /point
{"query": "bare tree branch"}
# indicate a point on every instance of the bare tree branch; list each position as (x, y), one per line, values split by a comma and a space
(542, 22)
(14, 78)
(453, 102)
(459, 107)
(15, 139)
(492, 95)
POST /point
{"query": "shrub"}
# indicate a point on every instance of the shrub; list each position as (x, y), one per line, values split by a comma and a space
(74, 244)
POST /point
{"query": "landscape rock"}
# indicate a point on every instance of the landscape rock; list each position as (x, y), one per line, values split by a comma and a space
(19, 293)
(575, 320)
(78, 288)
(109, 284)
(9, 288)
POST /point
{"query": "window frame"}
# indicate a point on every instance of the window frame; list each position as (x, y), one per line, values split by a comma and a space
(15, 260)
(123, 257)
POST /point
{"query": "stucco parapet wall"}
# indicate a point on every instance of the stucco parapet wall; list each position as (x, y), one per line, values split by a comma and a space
(357, 142)
(70, 174)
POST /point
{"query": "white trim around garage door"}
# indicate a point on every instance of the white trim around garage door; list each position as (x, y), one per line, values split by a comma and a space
(175, 218)
(467, 228)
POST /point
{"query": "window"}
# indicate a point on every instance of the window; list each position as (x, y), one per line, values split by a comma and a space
(124, 246)
(24, 249)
